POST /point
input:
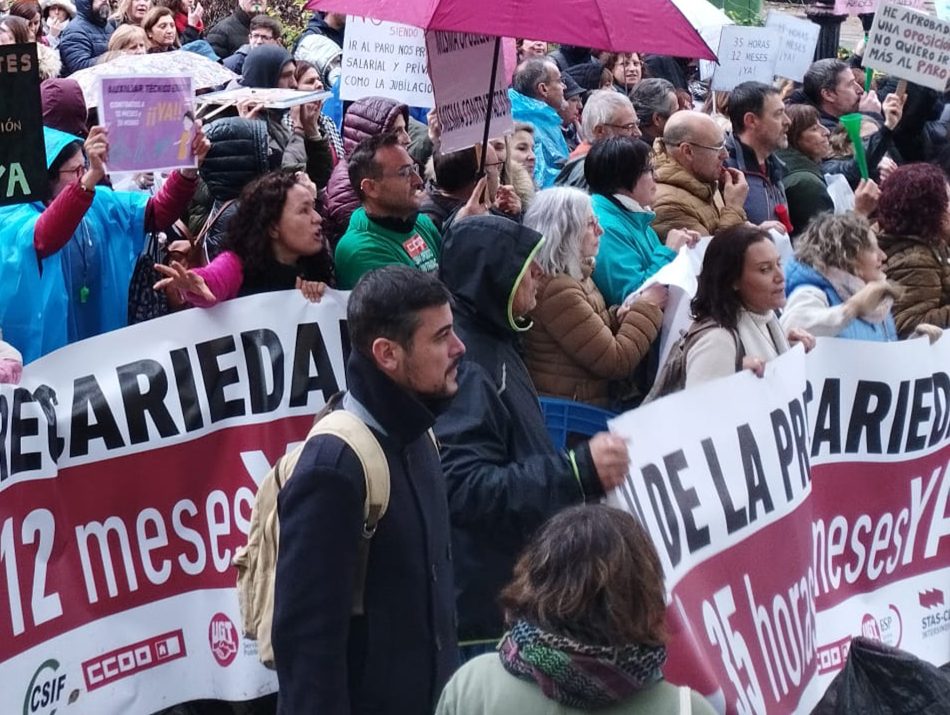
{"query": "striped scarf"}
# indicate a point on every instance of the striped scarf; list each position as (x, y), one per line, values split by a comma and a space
(575, 674)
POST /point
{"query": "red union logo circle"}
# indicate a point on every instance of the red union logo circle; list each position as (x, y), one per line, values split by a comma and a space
(223, 639)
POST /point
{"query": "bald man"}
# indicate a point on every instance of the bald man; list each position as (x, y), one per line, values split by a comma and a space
(694, 189)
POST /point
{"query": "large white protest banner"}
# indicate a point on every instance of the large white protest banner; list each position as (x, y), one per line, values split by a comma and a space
(790, 512)
(798, 40)
(796, 511)
(128, 470)
(385, 59)
(460, 67)
(910, 45)
(746, 54)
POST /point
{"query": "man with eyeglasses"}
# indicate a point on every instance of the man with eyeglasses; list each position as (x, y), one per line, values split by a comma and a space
(694, 190)
(388, 228)
(537, 97)
(265, 30)
(606, 114)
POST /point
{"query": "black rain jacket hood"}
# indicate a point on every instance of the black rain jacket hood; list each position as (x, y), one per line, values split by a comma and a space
(483, 260)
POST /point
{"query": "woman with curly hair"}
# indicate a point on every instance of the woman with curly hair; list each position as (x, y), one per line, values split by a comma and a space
(836, 285)
(915, 225)
(274, 242)
(585, 611)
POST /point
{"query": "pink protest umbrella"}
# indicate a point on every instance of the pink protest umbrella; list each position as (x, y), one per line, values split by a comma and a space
(653, 26)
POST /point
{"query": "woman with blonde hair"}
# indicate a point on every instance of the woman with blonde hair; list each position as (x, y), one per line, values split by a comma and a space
(836, 285)
(131, 12)
(586, 611)
(576, 345)
(128, 40)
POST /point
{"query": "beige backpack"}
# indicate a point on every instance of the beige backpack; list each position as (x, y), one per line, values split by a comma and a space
(256, 562)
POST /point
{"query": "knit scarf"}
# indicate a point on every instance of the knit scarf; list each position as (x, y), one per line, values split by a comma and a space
(847, 284)
(576, 674)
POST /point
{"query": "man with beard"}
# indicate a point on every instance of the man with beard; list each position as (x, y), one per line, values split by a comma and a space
(87, 35)
(388, 227)
(759, 129)
(393, 655)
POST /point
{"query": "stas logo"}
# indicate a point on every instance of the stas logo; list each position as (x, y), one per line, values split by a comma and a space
(932, 598)
(45, 690)
(223, 639)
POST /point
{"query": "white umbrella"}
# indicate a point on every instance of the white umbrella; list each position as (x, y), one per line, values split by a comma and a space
(702, 13)
(204, 73)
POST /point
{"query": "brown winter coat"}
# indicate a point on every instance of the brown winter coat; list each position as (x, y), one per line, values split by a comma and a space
(576, 346)
(683, 201)
(922, 268)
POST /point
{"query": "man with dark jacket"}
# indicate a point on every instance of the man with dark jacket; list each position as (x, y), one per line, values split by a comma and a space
(505, 478)
(229, 34)
(759, 129)
(87, 35)
(395, 658)
(830, 86)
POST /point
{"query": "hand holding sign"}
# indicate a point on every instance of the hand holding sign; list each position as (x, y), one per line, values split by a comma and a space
(96, 148)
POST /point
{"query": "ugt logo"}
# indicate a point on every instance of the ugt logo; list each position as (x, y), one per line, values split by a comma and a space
(222, 636)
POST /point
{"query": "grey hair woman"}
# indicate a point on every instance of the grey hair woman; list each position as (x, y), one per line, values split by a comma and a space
(576, 345)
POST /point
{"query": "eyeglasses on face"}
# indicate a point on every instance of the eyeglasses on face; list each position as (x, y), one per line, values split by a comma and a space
(717, 149)
(629, 127)
(76, 172)
(406, 172)
(263, 37)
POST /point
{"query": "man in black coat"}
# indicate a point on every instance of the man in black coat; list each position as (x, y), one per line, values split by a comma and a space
(505, 478)
(231, 33)
(395, 658)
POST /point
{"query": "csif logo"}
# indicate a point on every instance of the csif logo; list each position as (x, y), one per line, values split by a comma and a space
(45, 690)
(223, 639)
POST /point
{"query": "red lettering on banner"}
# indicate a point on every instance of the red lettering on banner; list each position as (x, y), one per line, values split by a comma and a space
(134, 658)
(139, 528)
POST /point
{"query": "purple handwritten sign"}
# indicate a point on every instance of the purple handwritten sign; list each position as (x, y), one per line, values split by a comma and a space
(151, 122)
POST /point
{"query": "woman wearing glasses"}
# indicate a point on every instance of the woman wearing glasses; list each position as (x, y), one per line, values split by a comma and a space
(68, 261)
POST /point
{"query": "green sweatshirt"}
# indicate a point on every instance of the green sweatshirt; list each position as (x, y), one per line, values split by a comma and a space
(367, 245)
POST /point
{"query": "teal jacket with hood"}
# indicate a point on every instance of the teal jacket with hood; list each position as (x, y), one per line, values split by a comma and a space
(42, 304)
(630, 251)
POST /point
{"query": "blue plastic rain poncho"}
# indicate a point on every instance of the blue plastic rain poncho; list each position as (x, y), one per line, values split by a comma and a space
(82, 289)
(550, 147)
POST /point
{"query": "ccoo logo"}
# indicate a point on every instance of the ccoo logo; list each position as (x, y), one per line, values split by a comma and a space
(223, 639)
(45, 689)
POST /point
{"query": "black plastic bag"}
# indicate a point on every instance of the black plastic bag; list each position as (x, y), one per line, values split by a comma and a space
(880, 680)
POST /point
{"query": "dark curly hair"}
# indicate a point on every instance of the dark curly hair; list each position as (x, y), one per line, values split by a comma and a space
(260, 207)
(716, 296)
(914, 202)
(591, 574)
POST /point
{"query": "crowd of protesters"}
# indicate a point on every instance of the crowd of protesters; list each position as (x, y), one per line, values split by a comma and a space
(521, 271)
